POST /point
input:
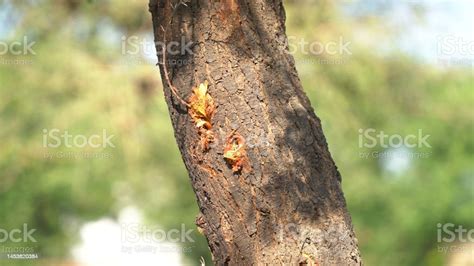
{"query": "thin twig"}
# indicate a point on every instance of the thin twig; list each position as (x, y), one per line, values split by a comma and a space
(306, 241)
(165, 68)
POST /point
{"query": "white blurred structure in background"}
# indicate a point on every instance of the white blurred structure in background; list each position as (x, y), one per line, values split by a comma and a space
(102, 244)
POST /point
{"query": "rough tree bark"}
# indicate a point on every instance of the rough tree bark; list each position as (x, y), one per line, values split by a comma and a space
(286, 206)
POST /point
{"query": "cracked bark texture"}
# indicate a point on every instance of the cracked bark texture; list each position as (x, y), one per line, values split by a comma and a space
(288, 207)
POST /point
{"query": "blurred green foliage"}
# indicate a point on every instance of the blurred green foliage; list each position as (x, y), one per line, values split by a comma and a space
(79, 80)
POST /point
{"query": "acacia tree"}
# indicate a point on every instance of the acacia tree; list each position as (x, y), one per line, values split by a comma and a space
(267, 187)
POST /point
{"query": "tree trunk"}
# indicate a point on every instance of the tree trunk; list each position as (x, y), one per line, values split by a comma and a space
(282, 202)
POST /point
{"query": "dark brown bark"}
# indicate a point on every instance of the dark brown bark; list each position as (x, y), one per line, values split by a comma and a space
(287, 206)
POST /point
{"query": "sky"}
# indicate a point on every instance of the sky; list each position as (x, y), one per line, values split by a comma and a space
(443, 30)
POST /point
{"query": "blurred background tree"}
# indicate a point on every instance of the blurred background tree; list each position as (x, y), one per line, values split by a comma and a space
(88, 73)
